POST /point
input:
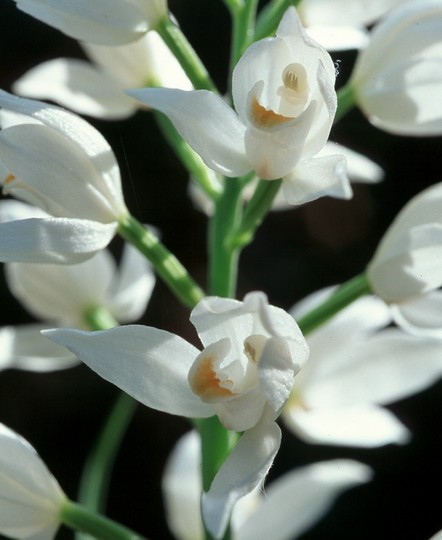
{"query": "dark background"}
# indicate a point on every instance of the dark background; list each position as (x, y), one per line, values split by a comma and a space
(295, 252)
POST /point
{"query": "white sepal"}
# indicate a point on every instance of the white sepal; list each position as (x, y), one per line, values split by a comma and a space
(242, 472)
(30, 497)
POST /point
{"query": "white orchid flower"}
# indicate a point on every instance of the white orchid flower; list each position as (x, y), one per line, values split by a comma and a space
(55, 160)
(63, 294)
(244, 375)
(339, 24)
(397, 79)
(291, 505)
(283, 91)
(360, 169)
(98, 90)
(356, 366)
(406, 269)
(30, 497)
(105, 22)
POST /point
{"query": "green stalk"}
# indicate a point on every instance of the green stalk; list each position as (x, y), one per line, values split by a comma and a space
(216, 441)
(78, 517)
(167, 266)
(99, 318)
(224, 257)
(346, 101)
(342, 297)
(233, 5)
(255, 212)
(185, 54)
(189, 158)
(96, 475)
(270, 16)
(243, 31)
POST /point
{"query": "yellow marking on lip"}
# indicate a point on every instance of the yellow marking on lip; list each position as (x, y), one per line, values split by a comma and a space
(266, 118)
(206, 384)
(10, 178)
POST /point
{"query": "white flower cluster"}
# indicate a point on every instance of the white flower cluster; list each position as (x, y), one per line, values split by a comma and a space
(331, 374)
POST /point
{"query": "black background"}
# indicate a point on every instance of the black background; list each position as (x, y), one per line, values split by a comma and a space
(295, 252)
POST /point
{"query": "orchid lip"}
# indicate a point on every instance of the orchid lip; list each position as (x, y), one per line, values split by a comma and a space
(9, 179)
(266, 118)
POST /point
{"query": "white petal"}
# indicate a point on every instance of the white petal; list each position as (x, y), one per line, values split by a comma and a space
(297, 500)
(90, 141)
(78, 85)
(149, 364)
(144, 62)
(11, 210)
(317, 177)
(339, 38)
(273, 152)
(54, 173)
(110, 23)
(392, 254)
(276, 370)
(62, 293)
(243, 411)
(421, 315)
(408, 109)
(424, 208)
(399, 73)
(182, 486)
(216, 318)
(347, 329)
(53, 240)
(244, 470)
(387, 367)
(359, 167)
(23, 347)
(411, 267)
(133, 284)
(358, 12)
(365, 426)
(30, 498)
(206, 122)
(264, 61)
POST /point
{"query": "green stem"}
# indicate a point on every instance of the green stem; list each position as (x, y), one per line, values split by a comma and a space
(216, 441)
(171, 271)
(346, 101)
(99, 318)
(342, 297)
(270, 16)
(255, 212)
(234, 5)
(185, 54)
(215, 446)
(78, 517)
(243, 21)
(224, 257)
(95, 479)
(204, 177)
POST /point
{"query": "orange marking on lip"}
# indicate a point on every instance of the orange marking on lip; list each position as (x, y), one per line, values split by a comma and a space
(266, 118)
(10, 178)
(206, 384)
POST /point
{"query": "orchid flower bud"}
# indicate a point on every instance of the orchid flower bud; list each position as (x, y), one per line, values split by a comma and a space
(397, 79)
(30, 498)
